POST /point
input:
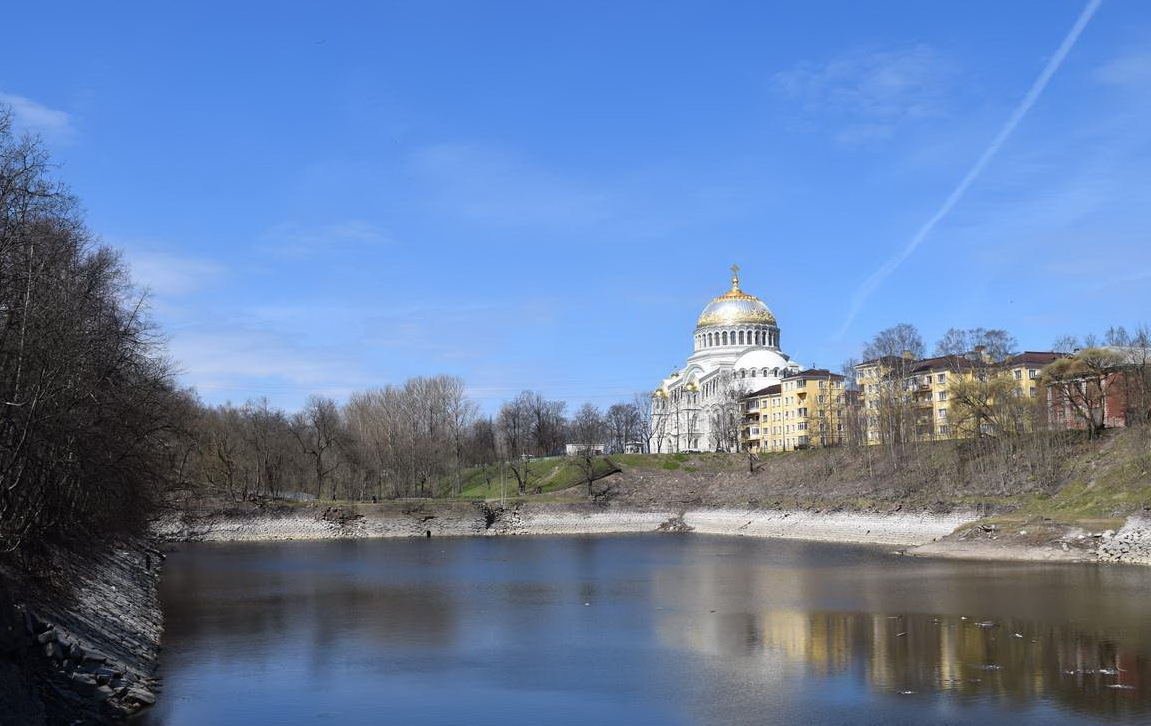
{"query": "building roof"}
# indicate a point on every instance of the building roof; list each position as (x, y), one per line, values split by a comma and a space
(815, 373)
(947, 362)
(1032, 357)
(883, 360)
(769, 391)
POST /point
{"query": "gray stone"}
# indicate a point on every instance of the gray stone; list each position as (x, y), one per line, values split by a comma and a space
(48, 636)
(141, 695)
(106, 676)
(94, 656)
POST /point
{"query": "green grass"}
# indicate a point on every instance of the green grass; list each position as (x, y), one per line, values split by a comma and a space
(544, 476)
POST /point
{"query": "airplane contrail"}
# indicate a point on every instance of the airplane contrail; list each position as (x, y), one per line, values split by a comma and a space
(876, 278)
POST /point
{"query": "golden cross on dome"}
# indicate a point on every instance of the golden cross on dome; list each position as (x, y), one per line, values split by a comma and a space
(735, 278)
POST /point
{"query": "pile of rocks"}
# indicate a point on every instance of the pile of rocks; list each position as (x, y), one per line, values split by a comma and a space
(1132, 543)
(80, 646)
(85, 682)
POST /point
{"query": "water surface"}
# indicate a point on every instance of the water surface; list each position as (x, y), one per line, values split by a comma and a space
(647, 629)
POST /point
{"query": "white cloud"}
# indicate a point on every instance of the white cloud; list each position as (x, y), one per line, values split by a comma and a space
(290, 239)
(28, 115)
(167, 275)
(869, 95)
(1132, 70)
(236, 362)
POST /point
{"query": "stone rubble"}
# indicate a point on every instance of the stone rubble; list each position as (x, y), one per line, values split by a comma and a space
(96, 653)
(1132, 543)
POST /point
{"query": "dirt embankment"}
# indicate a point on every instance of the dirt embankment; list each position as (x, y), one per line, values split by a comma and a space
(81, 647)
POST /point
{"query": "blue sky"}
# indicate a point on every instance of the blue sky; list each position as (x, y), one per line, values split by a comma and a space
(323, 198)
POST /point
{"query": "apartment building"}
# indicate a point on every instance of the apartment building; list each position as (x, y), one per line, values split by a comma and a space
(804, 410)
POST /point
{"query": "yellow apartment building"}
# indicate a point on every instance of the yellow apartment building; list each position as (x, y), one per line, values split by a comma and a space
(910, 399)
(804, 410)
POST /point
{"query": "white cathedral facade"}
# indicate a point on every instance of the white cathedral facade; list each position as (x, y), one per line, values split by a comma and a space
(735, 351)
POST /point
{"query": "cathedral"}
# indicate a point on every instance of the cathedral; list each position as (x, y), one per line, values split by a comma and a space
(735, 351)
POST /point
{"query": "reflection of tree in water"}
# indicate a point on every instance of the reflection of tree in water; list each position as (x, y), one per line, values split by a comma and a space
(255, 603)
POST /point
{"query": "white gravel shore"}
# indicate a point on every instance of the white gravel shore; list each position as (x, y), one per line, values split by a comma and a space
(897, 528)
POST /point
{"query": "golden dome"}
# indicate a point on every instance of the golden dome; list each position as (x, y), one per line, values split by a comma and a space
(735, 307)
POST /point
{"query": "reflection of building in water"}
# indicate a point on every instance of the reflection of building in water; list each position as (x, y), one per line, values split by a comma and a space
(754, 619)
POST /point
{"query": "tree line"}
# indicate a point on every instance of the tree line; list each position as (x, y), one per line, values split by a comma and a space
(416, 439)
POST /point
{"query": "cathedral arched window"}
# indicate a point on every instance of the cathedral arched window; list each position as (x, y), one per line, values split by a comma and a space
(725, 337)
(741, 337)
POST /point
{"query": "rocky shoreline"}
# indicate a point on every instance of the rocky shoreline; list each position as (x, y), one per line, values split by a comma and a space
(493, 519)
(918, 533)
(83, 650)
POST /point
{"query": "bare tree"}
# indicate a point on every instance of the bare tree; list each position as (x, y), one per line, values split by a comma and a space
(891, 412)
(624, 424)
(319, 430)
(898, 341)
(88, 412)
(1067, 344)
(997, 343)
(587, 431)
(514, 429)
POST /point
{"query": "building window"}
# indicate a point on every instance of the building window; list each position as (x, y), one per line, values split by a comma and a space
(941, 378)
(943, 414)
(942, 395)
(1018, 374)
(1032, 374)
(944, 430)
